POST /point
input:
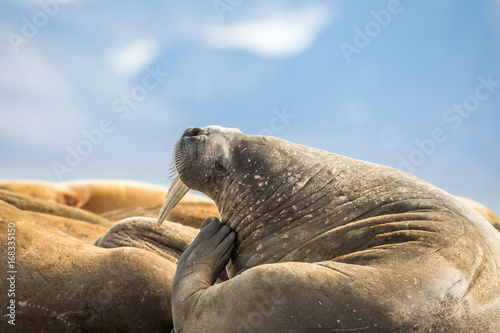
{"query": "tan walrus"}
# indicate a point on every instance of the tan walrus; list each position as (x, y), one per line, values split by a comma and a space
(102, 202)
(485, 212)
(65, 283)
(62, 284)
(321, 242)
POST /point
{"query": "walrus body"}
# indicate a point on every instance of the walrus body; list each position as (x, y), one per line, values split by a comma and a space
(65, 285)
(484, 211)
(61, 282)
(327, 243)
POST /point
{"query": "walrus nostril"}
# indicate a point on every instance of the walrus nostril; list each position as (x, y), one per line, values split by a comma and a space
(192, 131)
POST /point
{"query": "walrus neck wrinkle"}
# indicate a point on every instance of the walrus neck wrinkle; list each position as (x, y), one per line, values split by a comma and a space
(267, 208)
(277, 214)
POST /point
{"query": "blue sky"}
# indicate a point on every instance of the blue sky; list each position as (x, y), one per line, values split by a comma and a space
(381, 81)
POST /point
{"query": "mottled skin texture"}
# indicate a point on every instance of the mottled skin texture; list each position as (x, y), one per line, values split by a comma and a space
(328, 243)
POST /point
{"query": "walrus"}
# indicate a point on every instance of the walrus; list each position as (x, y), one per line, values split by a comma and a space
(104, 195)
(34, 204)
(313, 241)
(63, 284)
(54, 192)
(100, 202)
(484, 211)
(98, 196)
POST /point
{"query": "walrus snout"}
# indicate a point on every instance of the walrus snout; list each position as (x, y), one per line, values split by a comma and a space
(192, 131)
(198, 131)
(194, 134)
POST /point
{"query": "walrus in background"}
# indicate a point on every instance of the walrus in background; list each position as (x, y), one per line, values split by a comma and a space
(34, 204)
(485, 212)
(64, 284)
(108, 195)
(100, 202)
(49, 191)
(321, 242)
(94, 195)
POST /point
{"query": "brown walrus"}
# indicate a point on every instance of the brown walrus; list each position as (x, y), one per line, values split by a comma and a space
(53, 192)
(326, 243)
(102, 202)
(62, 284)
(485, 212)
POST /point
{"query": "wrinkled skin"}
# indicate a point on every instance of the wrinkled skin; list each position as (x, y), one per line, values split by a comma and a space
(168, 242)
(328, 243)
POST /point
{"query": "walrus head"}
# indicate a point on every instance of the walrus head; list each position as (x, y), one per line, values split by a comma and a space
(202, 158)
(227, 165)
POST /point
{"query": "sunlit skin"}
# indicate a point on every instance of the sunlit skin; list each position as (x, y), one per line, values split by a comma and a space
(342, 244)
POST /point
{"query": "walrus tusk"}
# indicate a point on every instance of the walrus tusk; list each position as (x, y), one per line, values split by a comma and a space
(176, 192)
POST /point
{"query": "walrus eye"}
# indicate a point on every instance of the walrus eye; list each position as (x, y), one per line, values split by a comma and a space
(219, 166)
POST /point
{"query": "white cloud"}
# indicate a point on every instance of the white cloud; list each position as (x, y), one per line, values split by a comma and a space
(133, 57)
(277, 35)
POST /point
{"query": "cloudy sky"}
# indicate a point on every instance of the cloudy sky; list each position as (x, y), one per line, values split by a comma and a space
(102, 89)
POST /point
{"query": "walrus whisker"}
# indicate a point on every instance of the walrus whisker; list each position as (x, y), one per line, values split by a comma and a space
(177, 160)
(172, 172)
(176, 192)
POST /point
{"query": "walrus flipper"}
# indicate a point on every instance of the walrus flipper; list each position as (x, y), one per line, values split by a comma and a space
(169, 241)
